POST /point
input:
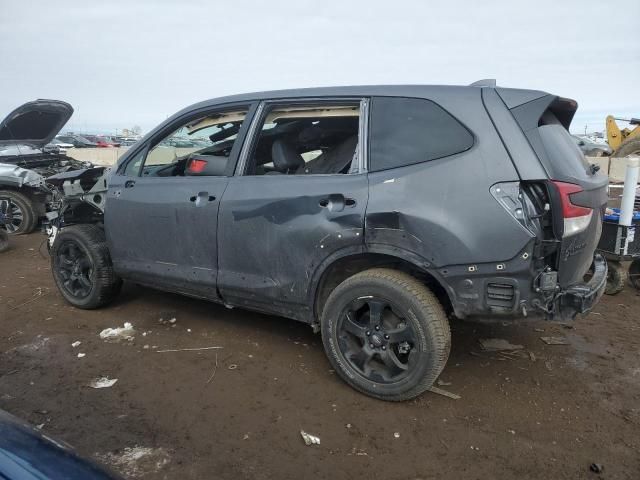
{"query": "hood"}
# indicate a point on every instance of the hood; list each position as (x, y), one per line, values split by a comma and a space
(35, 123)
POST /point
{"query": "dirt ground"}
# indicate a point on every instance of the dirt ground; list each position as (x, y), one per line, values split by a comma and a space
(547, 412)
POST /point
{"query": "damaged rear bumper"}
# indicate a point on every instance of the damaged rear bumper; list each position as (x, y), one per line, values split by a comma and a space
(582, 297)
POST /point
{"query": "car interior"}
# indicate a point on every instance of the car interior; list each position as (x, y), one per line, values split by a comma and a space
(294, 140)
(307, 140)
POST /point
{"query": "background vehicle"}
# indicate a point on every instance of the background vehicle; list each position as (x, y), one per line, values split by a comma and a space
(102, 141)
(78, 141)
(590, 148)
(27, 454)
(370, 213)
(624, 142)
(25, 161)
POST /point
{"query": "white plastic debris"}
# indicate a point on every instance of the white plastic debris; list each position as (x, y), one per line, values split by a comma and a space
(76, 344)
(173, 320)
(309, 439)
(102, 382)
(80, 355)
(396, 434)
(125, 332)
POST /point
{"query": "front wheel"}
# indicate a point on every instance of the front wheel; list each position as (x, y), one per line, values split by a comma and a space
(386, 334)
(82, 267)
(19, 212)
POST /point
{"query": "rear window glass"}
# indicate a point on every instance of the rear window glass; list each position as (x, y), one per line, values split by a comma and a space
(405, 131)
(564, 157)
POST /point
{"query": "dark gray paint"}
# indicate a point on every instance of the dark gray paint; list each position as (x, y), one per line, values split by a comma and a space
(270, 240)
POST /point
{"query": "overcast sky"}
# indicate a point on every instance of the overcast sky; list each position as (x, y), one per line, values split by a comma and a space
(121, 63)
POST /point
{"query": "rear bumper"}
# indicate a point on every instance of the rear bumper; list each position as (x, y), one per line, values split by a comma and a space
(582, 297)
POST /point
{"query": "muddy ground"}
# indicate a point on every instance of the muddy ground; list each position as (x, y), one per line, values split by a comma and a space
(547, 412)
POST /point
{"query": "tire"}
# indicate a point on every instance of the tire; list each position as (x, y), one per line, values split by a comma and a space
(24, 208)
(82, 268)
(634, 273)
(629, 147)
(4, 240)
(413, 340)
(616, 278)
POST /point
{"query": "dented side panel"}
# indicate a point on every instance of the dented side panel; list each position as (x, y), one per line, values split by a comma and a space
(275, 230)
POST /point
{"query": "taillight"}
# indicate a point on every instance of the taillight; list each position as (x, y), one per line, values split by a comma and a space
(196, 166)
(576, 218)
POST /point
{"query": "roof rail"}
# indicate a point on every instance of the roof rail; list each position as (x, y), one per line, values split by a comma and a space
(485, 82)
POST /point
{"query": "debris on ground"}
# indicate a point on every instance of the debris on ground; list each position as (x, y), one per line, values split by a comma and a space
(173, 320)
(442, 383)
(188, 349)
(555, 340)
(136, 461)
(396, 435)
(80, 355)
(103, 382)
(358, 452)
(117, 334)
(233, 366)
(309, 439)
(497, 345)
(76, 344)
(445, 393)
(596, 468)
(215, 368)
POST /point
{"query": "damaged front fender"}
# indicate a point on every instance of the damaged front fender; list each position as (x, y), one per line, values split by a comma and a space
(15, 176)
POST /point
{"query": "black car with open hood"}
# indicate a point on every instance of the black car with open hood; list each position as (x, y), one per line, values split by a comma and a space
(35, 123)
(25, 163)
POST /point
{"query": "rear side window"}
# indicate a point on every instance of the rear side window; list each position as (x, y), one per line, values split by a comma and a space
(405, 131)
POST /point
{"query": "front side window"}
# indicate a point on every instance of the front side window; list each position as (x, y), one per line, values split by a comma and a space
(200, 147)
(313, 139)
(405, 131)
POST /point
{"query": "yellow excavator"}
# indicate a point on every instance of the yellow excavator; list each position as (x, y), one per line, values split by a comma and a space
(623, 142)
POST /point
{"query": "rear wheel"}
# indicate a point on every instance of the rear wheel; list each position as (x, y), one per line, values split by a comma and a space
(634, 273)
(20, 216)
(82, 267)
(386, 334)
(616, 278)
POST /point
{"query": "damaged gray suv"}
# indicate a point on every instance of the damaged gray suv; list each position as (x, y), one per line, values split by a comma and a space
(371, 213)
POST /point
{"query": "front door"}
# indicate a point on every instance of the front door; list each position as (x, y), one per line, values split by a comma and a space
(162, 205)
(299, 198)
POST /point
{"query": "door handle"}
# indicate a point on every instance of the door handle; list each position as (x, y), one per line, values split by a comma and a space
(202, 197)
(129, 183)
(336, 202)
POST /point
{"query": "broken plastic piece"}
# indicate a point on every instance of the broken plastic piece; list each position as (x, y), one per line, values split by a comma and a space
(102, 382)
(125, 332)
(309, 439)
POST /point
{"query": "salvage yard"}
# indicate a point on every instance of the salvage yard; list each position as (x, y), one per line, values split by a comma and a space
(540, 411)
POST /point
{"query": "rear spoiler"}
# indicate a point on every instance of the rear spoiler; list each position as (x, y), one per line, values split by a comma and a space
(531, 114)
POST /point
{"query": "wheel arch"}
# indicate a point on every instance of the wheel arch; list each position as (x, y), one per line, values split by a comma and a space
(347, 262)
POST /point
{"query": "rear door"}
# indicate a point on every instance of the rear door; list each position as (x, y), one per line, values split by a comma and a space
(279, 221)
